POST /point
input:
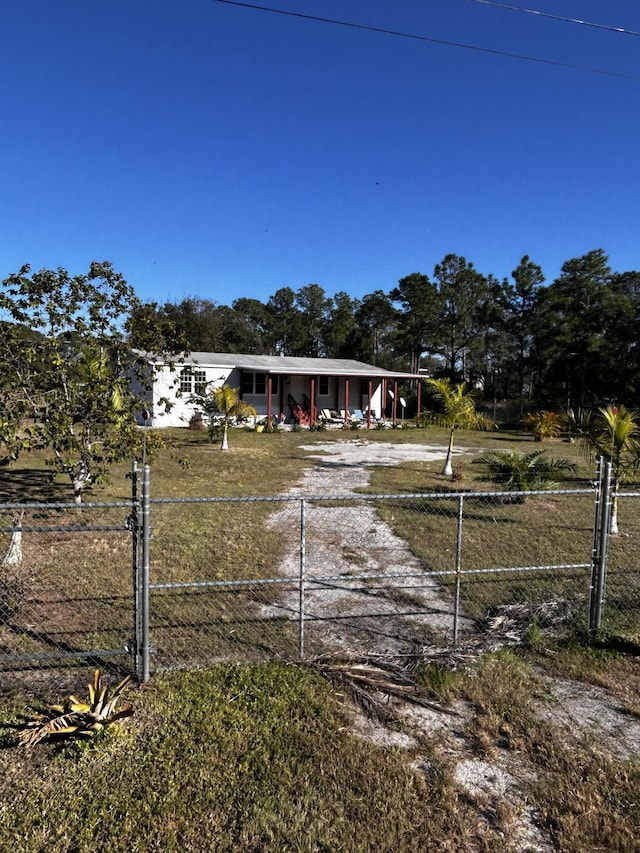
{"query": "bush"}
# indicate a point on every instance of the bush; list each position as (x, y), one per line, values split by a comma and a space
(543, 424)
(196, 421)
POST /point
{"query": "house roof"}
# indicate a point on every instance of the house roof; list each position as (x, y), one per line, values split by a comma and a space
(292, 365)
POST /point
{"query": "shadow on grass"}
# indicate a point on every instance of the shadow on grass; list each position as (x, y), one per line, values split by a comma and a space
(32, 484)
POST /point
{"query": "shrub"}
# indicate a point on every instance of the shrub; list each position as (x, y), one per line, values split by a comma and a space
(543, 424)
(196, 421)
(521, 472)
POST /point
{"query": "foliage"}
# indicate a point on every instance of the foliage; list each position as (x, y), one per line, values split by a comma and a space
(612, 433)
(543, 424)
(66, 369)
(75, 718)
(521, 472)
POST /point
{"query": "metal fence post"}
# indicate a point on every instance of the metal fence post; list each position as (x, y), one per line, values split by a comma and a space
(595, 545)
(144, 591)
(134, 526)
(456, 605)
(301, 580)
(600, 560)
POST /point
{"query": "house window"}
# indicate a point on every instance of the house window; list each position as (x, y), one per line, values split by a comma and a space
(191, 380)
(246, 384)
(186, 381)
(200, 381)
(323, 386)
(256, 383)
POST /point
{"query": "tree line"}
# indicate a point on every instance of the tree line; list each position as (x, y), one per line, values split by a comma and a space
(67, 360)
(565, 344)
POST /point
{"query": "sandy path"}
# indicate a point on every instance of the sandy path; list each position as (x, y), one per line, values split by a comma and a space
(355, 613)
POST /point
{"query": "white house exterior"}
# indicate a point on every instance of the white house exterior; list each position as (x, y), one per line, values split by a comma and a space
(277, 387)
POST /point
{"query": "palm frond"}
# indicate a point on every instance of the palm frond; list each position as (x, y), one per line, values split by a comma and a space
(519, 471)
(76, 718)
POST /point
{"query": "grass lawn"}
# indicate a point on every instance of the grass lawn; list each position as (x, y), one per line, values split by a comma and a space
(261, 757)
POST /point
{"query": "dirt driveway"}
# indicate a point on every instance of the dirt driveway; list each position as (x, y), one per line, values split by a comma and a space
(374, 596)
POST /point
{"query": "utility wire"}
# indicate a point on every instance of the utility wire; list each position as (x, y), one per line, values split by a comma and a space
(429, 39)
(559, 17)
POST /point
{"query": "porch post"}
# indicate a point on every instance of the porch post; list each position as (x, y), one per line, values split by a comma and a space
(269, 391)
(419, 395)
(395, 401)
(312, 402)
(281, 384)
(346, 403)
(369, 404)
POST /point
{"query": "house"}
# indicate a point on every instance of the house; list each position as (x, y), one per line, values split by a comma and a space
(284, 388)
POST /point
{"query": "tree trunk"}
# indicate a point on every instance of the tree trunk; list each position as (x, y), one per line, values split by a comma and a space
(448, 468)
(13, 557)
(225, 443)
(613, 522)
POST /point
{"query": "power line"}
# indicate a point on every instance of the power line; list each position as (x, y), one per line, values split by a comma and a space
(559, 17)
(429, 39)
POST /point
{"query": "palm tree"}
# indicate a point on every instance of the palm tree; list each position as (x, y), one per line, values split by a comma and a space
(459, 412)
(614, 434)
(523, 472)
(226, 400)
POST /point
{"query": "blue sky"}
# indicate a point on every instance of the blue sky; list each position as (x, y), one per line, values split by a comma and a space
(222, 152)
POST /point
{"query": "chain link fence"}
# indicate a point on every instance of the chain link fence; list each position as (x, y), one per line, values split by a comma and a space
(65, 585)
(621, 593)
(152, 584)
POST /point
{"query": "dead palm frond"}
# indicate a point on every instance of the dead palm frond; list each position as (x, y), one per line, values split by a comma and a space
(371, 685)
(75, 718)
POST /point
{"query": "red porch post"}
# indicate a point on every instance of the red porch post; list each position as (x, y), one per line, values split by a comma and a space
(395, 401)
(281, 384)
(312, 402)
(346, 403)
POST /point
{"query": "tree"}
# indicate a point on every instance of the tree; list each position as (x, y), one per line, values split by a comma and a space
(417, 325)
(285, 322)
(224, 400)
(614, 434)
(466, 298)
(459, 412)
(376, 318)
(343, 337)
(520, 302)
(314, 307)
(570, 342)
(65, 370)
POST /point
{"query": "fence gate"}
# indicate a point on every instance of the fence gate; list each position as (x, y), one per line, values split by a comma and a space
(348, 583)
(65, 585)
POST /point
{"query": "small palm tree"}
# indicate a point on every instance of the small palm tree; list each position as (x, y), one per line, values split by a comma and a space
(227, 401)
(523, 472)
(614, 434)
(459, 412)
